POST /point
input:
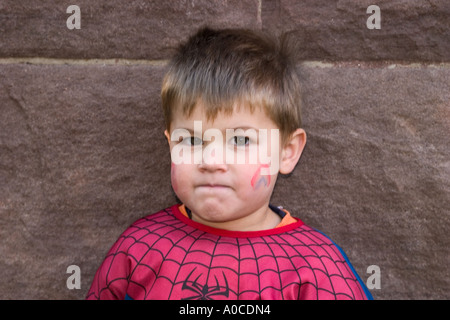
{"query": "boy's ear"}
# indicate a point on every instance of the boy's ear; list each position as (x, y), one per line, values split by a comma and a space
(292, 150)
(166, 133)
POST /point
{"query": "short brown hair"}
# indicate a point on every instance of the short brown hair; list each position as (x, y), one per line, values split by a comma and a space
(221, 67)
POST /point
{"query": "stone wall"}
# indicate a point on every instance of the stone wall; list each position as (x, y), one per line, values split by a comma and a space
(82, 151)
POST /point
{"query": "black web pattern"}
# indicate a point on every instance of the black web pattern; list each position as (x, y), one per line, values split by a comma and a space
(161, 257)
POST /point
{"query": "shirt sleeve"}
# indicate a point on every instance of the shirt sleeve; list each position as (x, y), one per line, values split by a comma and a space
(357, 287)
(111, 279)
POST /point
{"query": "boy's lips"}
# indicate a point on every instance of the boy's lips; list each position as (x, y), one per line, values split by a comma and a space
(213, 186)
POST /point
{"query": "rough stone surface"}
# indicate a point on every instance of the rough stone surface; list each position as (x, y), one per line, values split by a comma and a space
(337, 30)
(375, 174)
(113, 28)
(331, 30)
(82, 155)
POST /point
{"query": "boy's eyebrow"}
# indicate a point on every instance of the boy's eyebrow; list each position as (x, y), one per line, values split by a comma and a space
(244, 128)
(191, 131)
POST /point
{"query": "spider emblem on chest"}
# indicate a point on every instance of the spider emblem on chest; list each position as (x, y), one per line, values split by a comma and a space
(205, 292)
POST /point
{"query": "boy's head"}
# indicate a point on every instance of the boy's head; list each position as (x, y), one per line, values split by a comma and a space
(231, 98)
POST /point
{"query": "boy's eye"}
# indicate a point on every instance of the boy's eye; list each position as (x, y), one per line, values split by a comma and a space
(192, 141)
(241, 140)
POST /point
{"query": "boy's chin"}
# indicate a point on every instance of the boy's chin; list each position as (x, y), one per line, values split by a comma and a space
(214, 214)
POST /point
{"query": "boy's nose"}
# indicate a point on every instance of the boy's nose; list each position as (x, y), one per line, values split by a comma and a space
(213, 157)
(212, 167)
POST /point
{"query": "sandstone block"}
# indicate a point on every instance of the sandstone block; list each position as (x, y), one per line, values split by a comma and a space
(337, 30)
(375, 175)
(82, 155)
(113, 29)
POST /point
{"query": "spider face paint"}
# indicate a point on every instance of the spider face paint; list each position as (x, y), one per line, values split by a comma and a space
(259, 180)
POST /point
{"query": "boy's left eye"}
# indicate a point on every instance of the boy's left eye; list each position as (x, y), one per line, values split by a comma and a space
(241, 140)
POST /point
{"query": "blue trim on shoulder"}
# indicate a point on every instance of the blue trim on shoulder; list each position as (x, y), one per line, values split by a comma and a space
(127, 297)
(366, 291)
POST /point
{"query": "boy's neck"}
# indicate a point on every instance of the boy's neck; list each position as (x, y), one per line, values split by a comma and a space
(262, 219)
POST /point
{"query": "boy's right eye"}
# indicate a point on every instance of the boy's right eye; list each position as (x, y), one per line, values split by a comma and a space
(192, 141)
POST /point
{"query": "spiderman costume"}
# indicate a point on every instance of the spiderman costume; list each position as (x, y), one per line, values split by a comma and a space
(167, 256)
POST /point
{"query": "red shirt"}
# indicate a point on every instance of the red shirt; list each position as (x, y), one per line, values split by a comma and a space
(166, 255)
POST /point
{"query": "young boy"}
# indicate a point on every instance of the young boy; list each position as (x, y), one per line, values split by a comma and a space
(231, 102)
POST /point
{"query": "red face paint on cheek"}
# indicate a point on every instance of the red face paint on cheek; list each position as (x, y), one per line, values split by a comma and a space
(173, 178)
(260, 180)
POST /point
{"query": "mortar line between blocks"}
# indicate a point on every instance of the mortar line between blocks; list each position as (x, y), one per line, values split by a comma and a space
(163, 62)
(87, 62)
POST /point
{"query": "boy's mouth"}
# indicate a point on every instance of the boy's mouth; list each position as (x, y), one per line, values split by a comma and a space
(213, 186)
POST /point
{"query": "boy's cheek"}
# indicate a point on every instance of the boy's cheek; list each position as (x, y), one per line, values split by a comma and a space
(173, 177)
(181, 176)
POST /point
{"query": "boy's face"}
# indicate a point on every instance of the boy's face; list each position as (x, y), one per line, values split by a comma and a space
(225, 175)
